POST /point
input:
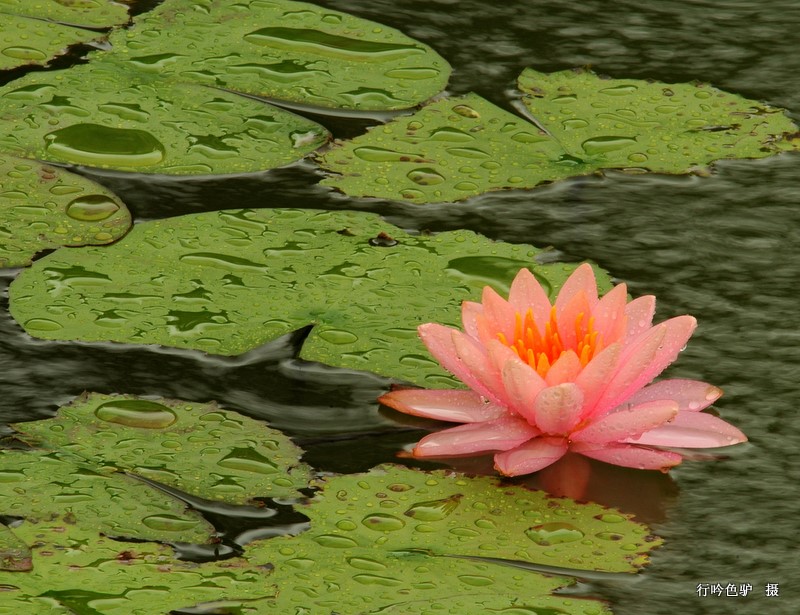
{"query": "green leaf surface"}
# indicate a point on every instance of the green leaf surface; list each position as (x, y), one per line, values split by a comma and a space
(650, 125)
(290, 51)
(46, 488)
(86, 13)
(443, 513)
(42, 207)
(461, 147)
(228, 281)
(102, 116)
(163, 440)
(14, 553)
(32, 41)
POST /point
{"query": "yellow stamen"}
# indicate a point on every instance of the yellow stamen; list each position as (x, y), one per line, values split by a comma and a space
(542, 349)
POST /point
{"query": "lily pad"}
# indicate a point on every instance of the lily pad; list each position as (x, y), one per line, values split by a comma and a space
(653, 126)
(228, 281)
(457, 148)
(14, 553)
(49, 488)
(292, 51)
(101, 116)
(162, 441)
(82, 13)
(43, 208)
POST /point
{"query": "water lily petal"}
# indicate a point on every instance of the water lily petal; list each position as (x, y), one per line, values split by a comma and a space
(565, 369)
(692, 430)
(639, 314)
(595, 376)
(439, 341)
(559, 408)
(581, 280)
(691, 395)
(527, 294)
(443, 405)
(647, 357)
(531, 456)
(629, 455)
(522, 385)
(499, 314)
(627, 423)
(497, 435)
(569, 312)
(469, 310)
(475, 359)
(610, 320)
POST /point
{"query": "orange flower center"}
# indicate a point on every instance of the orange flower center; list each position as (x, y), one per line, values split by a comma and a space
(541, 350)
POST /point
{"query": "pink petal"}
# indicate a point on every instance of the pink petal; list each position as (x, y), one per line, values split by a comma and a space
(475, 359)
(469, 310)
(629, 455)
(639, 314)
(646, 357)
(527, 294)
(693, 430)
(522, 385)
(500, 316)
(691, 395)
(568, 312)
(609, 315)
(531, 456)
(565, 369)
(443, 405)
(439, 341)
(595, 376)
(497, 435)
(628, 423)
(559, 408)
(581, 280)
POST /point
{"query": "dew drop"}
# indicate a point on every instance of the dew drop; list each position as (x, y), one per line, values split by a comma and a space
(425, 177)
(619, 90)
(553, 533)
(638, 157)
(603, 145)
(363, 563)
(475, 580)
(346, 525)
(381, 522)
(336, 336)
(169, 523)
(136, 413)
(97, 145)
(434, 510)
(374, 579)
(335, 542)
(610, 518)
(24, 53)
(42, 324)
(466, 111)
(574, 124)
(249, 460)
(609, 536)
(92, 207)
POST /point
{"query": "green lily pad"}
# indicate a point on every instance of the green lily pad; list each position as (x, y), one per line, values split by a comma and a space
(43, 208)
(47, 488)
(162, 441)
(285, 50)
(228, 281)
(444, 513)
(81, 572)
(457, 148)
(649, 125)
(85, 13)
(100, 116)
(14, 553)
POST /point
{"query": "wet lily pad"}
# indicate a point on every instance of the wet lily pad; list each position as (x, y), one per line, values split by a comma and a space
(444, 513)
(291, 51)
(84, 13)
(101, 116)
(163, 440)
(457, 148)
(14, 553)
(649, 125)
(36, 32)
(48, 488)
(228, 281)
(42, 207)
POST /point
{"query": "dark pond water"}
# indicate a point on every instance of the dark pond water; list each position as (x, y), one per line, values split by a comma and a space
(723, 248)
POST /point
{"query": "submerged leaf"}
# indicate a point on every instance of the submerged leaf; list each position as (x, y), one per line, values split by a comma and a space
(226, 282)
(42, 207)
(101, 116)
(163, 440)
(457, 148)
(284, 50)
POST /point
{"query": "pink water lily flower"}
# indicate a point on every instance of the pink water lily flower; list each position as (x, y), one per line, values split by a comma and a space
(545, 379)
